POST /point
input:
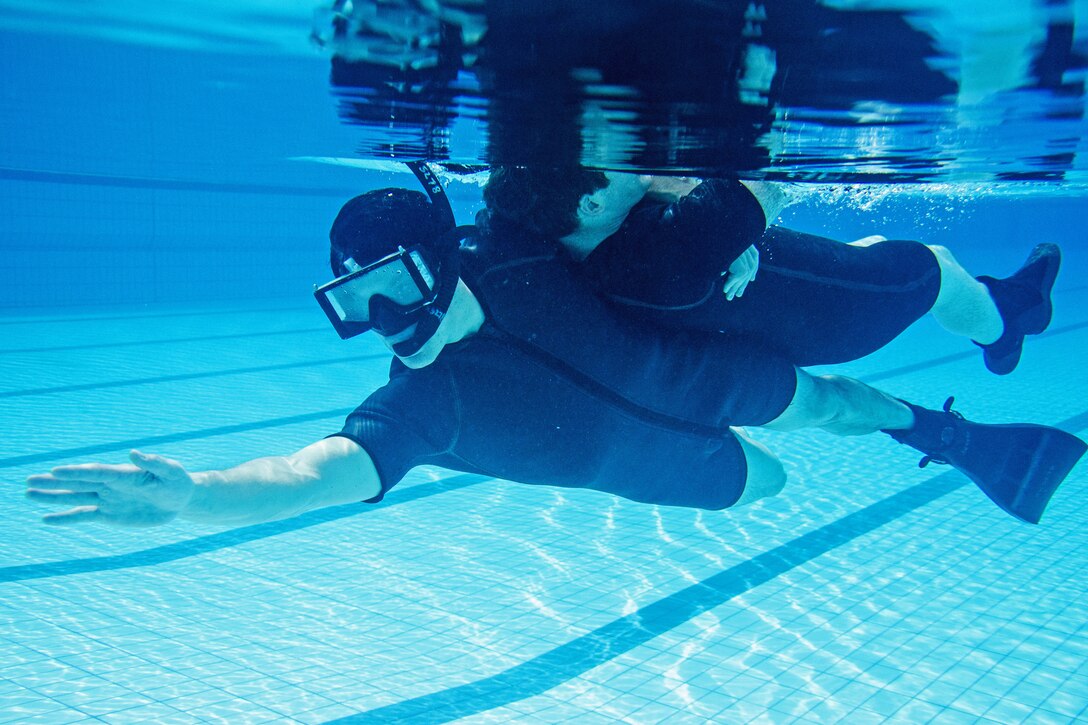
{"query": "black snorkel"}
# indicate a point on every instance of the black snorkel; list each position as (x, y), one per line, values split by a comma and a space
(445, 251)
(433, 187)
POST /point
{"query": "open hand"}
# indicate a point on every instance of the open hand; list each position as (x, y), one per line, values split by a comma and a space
(741, 272)
(150, 491)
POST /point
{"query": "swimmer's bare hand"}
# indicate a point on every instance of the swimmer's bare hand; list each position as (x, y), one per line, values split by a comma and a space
(151, 491)
(741, 272)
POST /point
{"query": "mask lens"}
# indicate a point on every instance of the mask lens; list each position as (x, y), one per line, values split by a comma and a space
(401, 281)
(392, 281)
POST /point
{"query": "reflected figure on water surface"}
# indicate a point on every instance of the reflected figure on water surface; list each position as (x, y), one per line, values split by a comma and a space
(506, 364)
(790, 89)
(694, 78)
(408, 64)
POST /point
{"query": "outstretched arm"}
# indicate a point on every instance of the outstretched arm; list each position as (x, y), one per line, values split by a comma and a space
(154, 490)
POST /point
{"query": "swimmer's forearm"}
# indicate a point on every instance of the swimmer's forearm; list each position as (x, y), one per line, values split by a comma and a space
(330, 472)
(265, 489)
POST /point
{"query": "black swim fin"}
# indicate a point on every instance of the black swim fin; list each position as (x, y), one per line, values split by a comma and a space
(1023, 301)
(1018, 466)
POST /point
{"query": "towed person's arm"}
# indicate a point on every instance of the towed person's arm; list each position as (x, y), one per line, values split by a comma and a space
(154, 490)
(773, 198)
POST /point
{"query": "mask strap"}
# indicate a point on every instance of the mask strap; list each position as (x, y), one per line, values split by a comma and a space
(434, 189)
(431, 317)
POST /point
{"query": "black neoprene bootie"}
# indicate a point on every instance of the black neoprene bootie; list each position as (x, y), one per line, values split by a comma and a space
(1018, 466)
(1023, 300)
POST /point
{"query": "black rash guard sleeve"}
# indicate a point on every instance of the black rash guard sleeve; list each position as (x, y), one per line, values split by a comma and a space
(408, 422)
(674, 255)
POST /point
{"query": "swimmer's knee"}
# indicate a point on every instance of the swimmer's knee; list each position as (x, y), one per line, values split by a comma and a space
(943, 255)
(766, 475)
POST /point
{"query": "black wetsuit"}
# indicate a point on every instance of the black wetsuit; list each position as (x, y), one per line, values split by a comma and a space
(557, 388)
(815, 300)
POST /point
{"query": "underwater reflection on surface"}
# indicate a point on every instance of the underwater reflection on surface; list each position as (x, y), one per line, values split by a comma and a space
(785, 89)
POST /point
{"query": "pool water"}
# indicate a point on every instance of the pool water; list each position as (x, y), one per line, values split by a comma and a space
(162, 221)
(868, 590)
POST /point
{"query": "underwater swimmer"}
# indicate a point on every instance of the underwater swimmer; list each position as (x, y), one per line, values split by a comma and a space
(814, 300)
(552, 388)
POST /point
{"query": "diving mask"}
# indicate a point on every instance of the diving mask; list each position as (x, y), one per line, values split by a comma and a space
(384, 296)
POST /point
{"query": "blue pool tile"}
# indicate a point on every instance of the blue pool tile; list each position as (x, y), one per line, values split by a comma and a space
(1011, 711)
(353, 615)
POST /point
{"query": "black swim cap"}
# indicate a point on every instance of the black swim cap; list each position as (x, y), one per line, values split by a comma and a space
(376, 223)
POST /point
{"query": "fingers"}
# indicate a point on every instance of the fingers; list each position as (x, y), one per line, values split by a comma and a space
(156, 465)
(131, 487)
(78, 515)
(49, 482)
(67, 498)
(741, 272)
(736, 289)
(83, 476)
(47, 488)
(95, 472)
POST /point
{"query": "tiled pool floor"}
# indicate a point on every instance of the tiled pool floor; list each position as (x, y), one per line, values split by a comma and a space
(869, 591)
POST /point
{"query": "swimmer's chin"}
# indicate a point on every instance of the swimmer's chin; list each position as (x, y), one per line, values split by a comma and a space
(421, 359)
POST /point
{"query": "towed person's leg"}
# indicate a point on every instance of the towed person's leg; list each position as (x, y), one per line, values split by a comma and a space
(997, 313)
(964, 305)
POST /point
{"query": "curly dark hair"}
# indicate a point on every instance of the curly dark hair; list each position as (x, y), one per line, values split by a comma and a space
(544, 200)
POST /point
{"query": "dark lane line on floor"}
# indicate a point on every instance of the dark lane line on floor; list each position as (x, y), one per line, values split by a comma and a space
(218, 312)
(248, 534)
(1077, 423)
(593, 649)
(167, 341)
(956, 357)
(179, 437)
(150, 441)
(151, 182)
(233, 537)
(188, 376)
